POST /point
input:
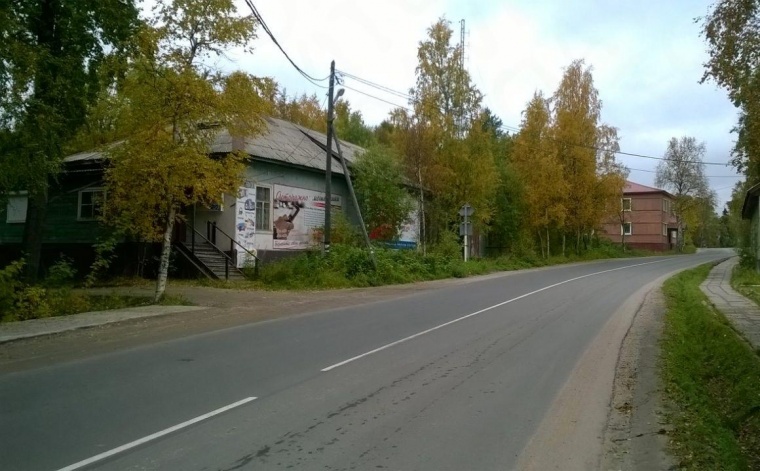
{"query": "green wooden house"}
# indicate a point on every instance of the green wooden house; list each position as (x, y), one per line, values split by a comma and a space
(277, 211)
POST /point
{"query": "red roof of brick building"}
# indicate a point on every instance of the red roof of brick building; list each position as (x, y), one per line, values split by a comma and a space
(631, 187)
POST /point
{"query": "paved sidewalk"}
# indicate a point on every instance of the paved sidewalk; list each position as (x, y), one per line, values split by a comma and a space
(52, 325)
(743, 314)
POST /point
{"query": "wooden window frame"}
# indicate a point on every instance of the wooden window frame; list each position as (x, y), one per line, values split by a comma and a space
(79, 203)
(19, 194)
(266, 226)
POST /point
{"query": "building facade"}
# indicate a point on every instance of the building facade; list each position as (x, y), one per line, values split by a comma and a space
(646, 219)
(279, 208)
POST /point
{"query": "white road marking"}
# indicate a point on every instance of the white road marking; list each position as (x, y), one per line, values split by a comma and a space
(418, 334)
(167, 431)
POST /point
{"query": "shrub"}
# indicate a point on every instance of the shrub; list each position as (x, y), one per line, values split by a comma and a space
(10, 285)
(31, 303)
(448, 245)
(61, 273)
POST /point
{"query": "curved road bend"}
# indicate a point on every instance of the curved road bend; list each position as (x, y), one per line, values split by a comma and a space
(447, 379)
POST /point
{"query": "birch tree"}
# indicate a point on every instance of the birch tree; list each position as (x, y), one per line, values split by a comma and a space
(682, 173)
(459, 166)
(177, 105)
(540, 173)
(610, 180)
(577, 108)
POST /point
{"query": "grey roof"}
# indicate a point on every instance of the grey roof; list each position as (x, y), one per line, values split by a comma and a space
(281, 141)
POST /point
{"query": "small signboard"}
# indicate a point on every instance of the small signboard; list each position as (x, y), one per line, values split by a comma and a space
(465, 228)
(466, 210)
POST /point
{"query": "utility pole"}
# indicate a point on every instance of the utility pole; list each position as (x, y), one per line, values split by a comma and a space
(461, 41)
(462, 120)
(328, 163)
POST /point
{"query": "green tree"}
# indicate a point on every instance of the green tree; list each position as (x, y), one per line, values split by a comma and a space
(683, 174)
(507, 232)
(384, 201)
(383, 133)
(350, 125)
(705, 224)
(450, 157)
(610, 180)
(727, 237)
(732, 33)
(53, 55)
(305, 110)
(414, 141)
(177, 106)
(444, 96)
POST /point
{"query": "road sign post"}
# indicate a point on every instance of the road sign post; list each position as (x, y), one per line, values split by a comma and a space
(465, 228)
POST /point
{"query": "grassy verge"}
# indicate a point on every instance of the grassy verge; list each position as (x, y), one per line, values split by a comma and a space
(712, 378)
(747, 282)
(351, 267)
(39, 302)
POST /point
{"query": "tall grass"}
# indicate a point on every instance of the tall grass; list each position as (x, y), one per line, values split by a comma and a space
(746, 280)
(713, 379)
(349, 266)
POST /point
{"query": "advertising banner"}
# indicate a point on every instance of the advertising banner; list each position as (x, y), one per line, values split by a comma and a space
(245, 223)
(410, 232)
(296, 213)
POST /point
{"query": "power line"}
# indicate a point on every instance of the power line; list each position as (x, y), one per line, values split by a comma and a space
(707, 176)
(264, 25)
(377, 98)
(399, 94)
(503, 126)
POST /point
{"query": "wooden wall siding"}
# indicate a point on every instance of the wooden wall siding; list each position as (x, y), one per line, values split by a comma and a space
(61, 224)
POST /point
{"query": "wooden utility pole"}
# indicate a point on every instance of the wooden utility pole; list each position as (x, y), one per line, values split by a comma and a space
(328, 163)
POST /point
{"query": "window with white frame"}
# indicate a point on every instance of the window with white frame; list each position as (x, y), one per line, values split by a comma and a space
(664, 229)
(263, 208)
(626, 204)
(90, 205)
(626, 228)
(15, 209)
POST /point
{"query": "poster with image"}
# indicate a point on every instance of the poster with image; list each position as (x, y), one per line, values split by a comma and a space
(410, 231)
(245, 223)
(296, 212)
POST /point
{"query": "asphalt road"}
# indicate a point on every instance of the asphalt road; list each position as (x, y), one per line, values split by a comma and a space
(461, 379)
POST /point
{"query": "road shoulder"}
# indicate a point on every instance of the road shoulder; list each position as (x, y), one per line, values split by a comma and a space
(610, 396)
(636, 434)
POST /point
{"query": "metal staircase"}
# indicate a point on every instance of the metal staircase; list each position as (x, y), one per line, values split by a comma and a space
(209, 259)
(217, 262)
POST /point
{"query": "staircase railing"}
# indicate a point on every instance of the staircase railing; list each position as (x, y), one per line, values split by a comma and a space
(212, 229)
(227, 259)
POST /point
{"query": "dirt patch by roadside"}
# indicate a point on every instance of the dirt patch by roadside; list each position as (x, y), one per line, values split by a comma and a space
(636, 435)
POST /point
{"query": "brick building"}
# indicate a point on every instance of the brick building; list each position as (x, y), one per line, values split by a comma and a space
(646, 219)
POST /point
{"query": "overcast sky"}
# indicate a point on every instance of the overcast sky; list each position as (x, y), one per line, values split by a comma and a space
(646, 55)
